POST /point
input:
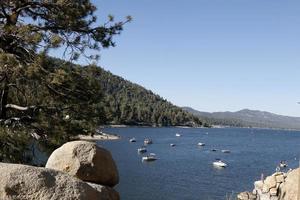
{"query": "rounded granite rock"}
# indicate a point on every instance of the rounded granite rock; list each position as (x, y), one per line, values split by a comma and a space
(20, 182)
(86, 161)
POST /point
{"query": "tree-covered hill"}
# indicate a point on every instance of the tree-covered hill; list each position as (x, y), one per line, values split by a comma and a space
(131, 104)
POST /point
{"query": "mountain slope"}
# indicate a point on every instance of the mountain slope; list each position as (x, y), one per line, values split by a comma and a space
(132, 104)
(249, 118)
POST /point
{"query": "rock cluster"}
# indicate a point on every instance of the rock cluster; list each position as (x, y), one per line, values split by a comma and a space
(78, 170)
(279, 186)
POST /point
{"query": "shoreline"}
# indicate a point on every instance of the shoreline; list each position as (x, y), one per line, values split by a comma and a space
(96, 137)
(213, 127)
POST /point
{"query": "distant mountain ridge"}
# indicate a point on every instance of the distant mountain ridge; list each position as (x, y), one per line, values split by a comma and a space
(248, 118)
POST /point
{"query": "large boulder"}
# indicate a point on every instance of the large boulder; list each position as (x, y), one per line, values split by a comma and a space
(289, 189)
(85, 160)
(20, 182)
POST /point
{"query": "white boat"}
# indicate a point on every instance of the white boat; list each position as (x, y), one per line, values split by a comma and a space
(201, 144)
(142, 150)
(150, 157)
(178, 135)
(225, 151)
(219, 163)
(283, 164)
(148, 141)
(132, 140)
(172, 145)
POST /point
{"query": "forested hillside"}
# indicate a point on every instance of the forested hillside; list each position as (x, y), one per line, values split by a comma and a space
(123, 102)
(130, 104)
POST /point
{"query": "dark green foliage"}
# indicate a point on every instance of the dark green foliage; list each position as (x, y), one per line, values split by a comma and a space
(30, 25)
(49, 99)
(63, 100)
(13, 145)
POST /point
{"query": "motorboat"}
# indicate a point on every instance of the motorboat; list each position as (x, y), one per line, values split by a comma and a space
(220, 163)
(142, 150)
(283, 164)
(148, 141)
(178, 135)
(213, 149)
(172, 145)
(150, 157)
(201, 144)
(132, 140)
(225, 151)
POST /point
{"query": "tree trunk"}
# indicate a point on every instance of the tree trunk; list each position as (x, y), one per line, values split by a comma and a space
(4, 96)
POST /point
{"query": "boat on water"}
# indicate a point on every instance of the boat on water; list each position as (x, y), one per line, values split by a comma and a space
(172, 145)
(178, 135)
(148, 141)
(201, 144)
(132, 140)
(142, 150)
(225, 151)
(150, 157)
(213, 149)
(283, 164)
(219, 163)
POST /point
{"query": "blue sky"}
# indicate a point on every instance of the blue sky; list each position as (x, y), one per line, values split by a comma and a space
(212, 55)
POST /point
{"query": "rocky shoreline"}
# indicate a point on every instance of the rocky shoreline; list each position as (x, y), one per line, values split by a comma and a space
(78, 170)
(278, 186)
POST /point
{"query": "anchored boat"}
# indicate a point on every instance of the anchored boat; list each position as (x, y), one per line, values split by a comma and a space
(150, 157)
(220, 163)
(148, 141)
(142, 150)
(225, 151)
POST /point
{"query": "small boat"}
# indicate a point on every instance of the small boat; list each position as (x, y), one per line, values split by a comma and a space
(150, 157)
(283, 164)
(178, 135)
(225, 151)
(142, 150)
(201, 144)
(148, 141)
(213, 149)
(219, 163)
(172, 145)
(132, 140)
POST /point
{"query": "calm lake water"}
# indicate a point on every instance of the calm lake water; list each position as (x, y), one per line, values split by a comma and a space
(186, 172)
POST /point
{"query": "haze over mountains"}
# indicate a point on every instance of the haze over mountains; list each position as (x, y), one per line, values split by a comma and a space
(248, 118)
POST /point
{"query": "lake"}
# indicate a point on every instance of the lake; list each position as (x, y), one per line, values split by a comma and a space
(186, 171)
